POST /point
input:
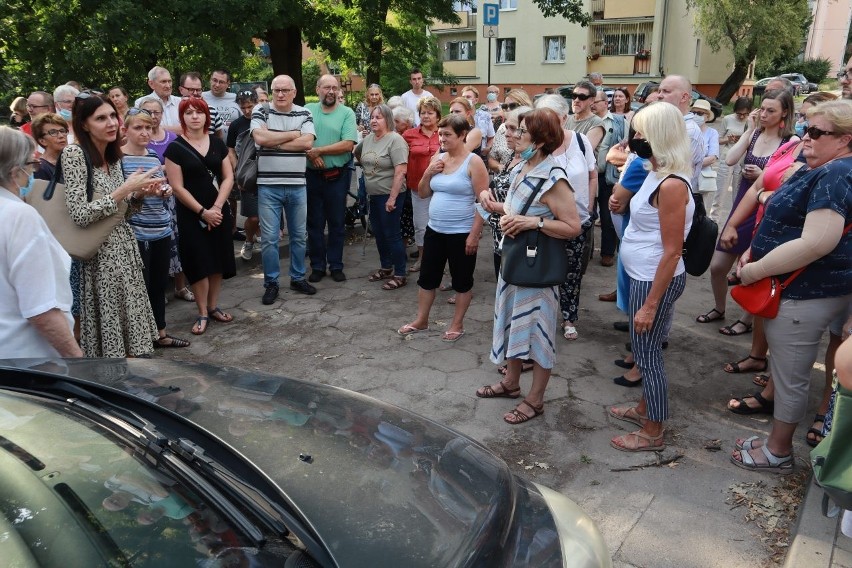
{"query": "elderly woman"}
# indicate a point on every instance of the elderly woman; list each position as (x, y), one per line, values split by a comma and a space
(499, 151)
(660, 218)
(51, 132)
(35, 318)
(422, 145)
(364, 109)
(116, 318)
(63, 98)
(453, 180)
(384, 156)
(201, 176)
(803, 229)
(403, 119)
(525, 318)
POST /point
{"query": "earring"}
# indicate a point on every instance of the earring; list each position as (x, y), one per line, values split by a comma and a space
(783, 124)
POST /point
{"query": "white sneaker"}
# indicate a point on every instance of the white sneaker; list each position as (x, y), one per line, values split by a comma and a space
(246, 251)
(257, 247)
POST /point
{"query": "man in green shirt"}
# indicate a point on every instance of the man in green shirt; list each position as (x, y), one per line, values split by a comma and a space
(328, 175)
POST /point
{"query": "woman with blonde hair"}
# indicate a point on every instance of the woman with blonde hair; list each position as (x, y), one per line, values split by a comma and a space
(515, 99)
(660, 218)
(19, 115)
(364, 110)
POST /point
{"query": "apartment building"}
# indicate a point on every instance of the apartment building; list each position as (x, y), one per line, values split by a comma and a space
(828, 32)
(628, 41)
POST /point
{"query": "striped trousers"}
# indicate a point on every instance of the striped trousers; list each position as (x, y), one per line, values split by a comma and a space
(647, 347)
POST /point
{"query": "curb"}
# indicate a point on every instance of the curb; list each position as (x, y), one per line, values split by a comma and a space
(814, 534)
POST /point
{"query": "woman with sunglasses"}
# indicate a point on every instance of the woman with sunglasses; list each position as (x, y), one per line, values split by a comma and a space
(805, 227)
(116, 318)
(51, 132)
(364, 109)
(515, 99)
(733, 126)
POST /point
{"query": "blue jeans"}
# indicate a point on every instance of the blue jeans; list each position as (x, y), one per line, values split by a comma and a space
(386, 229)
(327, 204)
(293, 201)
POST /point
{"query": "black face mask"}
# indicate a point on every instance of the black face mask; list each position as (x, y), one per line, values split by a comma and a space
(641, 148)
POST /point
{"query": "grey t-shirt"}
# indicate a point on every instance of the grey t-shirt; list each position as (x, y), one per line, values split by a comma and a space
(379, 158)
(585, 125)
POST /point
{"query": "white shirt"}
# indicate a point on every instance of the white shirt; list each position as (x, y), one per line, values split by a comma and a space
(227, 106)
(34, 271)
(410, 100)
(577, 166)
(170, 108)
(696, 138)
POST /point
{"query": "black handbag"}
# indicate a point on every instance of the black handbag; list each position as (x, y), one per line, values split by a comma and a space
(533, 259)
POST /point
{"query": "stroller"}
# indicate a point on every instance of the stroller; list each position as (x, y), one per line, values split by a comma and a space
(359, 211)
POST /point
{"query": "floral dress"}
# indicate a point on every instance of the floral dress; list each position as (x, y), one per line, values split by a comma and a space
(115, 315)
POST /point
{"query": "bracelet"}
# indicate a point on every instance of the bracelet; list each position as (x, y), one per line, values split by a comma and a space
(758, 196)
(201, 212)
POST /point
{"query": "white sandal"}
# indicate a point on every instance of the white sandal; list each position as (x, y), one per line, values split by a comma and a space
(185, 294)
(569, 332)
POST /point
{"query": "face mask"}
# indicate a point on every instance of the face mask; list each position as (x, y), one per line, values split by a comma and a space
(492, 97)
(66, 114)
(641, 148)
(800, 128)
(23, 191)
(528, 153)
(699, 119)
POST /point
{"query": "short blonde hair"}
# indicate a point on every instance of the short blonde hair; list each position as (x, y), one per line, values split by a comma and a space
(663, 126)
(430, 103)
(520, 96)
(468, 106)
(838, 113)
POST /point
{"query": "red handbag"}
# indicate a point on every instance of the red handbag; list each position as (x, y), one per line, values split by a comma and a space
(762, 298)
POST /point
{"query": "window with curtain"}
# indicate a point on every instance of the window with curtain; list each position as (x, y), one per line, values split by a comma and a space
(508, 4)
(460, 51)
(554, 49)
(506, 50)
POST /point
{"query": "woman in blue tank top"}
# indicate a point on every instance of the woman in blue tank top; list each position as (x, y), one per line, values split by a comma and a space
(453, 180)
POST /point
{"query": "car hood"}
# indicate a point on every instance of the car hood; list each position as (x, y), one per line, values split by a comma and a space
(373, 480)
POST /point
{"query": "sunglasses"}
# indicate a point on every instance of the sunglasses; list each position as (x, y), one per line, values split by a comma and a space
(816, 133)
(581, 96)
(509, 106)
(134, 111)
(246, 93)
(83, 95)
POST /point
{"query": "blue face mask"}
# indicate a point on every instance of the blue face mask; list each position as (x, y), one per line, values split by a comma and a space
(66, 114)
(23, 191)
(528, 153)
(800, 128)
(492, 97)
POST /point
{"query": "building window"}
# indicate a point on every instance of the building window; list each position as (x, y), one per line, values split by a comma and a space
(464, 6)
(453, 91)
(623, 39)
(506, 50)
(554, 49)
(460, 51)
(508, 4)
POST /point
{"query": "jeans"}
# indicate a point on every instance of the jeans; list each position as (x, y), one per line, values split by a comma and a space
(327, 204)
(272, 200)
(609, 238)
(155, 271)
(386, 229)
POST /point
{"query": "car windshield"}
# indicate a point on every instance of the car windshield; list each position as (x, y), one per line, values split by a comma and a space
(74, 494)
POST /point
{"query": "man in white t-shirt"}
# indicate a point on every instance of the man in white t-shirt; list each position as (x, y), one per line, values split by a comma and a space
(219, 98)
(411, 97)
(160, 81)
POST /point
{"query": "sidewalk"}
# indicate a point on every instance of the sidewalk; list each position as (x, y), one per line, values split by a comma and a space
(818, 542)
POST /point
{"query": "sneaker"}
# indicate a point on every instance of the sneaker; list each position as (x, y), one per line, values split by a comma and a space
(338, 276)
(316, 276)
(271, 294)
(247, 251)
(300, 286)
(257, 247)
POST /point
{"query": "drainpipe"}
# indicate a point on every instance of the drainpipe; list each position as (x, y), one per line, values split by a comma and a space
(663, 35)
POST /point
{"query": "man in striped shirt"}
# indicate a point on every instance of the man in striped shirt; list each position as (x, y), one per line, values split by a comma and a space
(283, 134)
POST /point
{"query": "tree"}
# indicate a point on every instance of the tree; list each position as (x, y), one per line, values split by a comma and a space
(751, 29)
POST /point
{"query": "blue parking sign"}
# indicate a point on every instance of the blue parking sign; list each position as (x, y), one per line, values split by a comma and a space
(491, 14)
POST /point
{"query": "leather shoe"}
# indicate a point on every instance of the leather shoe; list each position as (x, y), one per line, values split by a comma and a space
(622, 381)
(303, 287)
(611, 297)
(621, 326)
(316, 275)
(607, 260)
(270, 294)
(338, 276)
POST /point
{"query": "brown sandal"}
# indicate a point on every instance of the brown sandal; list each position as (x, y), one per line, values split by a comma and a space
(395, 282)
(380, 274)
(518, 417)
(488, 392)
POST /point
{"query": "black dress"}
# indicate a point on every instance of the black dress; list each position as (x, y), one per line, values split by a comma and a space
(202, 252)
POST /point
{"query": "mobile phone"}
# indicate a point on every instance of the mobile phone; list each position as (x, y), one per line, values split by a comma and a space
(202, 223)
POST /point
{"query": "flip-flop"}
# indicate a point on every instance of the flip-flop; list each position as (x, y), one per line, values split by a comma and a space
(452, 336)
(409, 329)
(217, 314)
(198, 321)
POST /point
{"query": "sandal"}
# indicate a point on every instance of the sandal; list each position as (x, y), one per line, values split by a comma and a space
(816, 432)
(380, 274)
(395, 283)
(569, 332)
(173, 342)
(185, 294)
(415, 267)
(633, 442)
(731, 332)
(712, 315)
(488, 392)
(736, 368)
(526, 365)
(761, 380)
(218, 315)
(748, 459)
(452, 336)
(452, 300)
(766, 406)
(517, 417)
(409, 329)
(628, 414)
(198, 328)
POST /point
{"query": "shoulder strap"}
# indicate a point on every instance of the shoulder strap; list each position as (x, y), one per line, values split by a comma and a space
(194, 154)
(57, 177)
(580, 142)
(538, 189)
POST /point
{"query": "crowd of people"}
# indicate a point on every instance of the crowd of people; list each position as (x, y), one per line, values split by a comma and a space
(164, 168)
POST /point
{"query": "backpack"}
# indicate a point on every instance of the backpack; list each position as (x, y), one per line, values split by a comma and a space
(245, 173)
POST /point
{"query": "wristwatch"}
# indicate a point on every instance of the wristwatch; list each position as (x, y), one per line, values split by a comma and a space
(540, 223)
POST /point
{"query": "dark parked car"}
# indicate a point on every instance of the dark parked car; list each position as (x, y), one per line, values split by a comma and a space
(804, 86)
(158, 463)
(643, 89)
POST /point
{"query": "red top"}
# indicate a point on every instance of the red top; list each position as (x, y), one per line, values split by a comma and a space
(420, 150)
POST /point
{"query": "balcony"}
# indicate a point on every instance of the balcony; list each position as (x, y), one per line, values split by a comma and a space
(468, 22)
(620, 65)
(461, 68)
(622, 9)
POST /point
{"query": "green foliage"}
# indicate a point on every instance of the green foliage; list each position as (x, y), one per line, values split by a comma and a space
(310, 74)
(571, 10)
(254, 67)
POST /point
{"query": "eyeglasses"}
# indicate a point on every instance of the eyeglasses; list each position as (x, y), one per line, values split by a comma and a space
(56, 132)
(520, 132)
(31, 107)
(742, 114)
(816, 133)
(155, 113)
(844, 75)
(509, 106)
(192, 91)
(134, 111)
(581, 96)
(282, 91)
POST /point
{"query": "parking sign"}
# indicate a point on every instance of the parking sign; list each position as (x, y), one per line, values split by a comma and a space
(491, 14)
